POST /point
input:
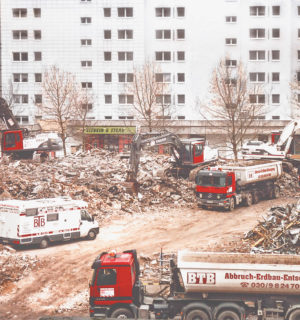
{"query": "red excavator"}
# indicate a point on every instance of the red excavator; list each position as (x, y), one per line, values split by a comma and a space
(17, 142)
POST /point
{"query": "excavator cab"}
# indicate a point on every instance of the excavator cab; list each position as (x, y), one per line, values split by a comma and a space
(12, 140)
(193, 151)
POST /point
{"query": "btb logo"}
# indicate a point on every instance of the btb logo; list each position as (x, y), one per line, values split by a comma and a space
(38, 222)
(201, 278)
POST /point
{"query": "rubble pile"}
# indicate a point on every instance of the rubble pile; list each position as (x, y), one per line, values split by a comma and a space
(97, 177)
(14, 267)
(279, 232)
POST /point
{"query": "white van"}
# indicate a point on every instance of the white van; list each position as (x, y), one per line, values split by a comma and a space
(45, 220)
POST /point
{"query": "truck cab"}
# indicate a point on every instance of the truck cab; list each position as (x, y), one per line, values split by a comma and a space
(215, 187)
(115, 289)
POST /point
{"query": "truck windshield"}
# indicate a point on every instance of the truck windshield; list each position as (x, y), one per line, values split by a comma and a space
(211, 180)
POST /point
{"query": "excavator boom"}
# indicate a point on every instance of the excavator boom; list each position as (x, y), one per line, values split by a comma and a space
(7, 116)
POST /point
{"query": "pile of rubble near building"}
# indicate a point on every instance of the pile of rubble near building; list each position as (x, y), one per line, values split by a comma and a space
(99, 177)
(279, 232)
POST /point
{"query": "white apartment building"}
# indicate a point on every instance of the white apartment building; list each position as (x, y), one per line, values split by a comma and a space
(101, 41)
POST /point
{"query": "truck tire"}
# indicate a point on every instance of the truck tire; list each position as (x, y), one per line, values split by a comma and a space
(91, 235)
(44, 243)
(248, 199)
(228, 315)
(295, 315)
(197, 315)
(231, 204)
(122, 313)
(255, 197)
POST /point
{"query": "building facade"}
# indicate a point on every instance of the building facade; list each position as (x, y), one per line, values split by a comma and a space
(102, 41)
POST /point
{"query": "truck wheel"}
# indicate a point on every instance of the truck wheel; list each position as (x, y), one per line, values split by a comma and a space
(255, 197)
(228, 315)
(197, 315)
(44, 243)
(122, 313)
(91, 235)
(248, 199)
(231, 204)
(276, 192)
(295, 315)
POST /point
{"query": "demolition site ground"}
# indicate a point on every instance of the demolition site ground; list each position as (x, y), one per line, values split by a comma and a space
(163, 215)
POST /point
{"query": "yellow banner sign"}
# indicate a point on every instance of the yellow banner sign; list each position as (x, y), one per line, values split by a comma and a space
(110, 130)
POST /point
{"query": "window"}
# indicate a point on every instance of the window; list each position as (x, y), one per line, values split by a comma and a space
(298, 8)
(298, 75)
(257, 11)
(87, 106)
(180, 55)
(107, 34)
(181, 117)
(86, 63)
(180, 77)
(125, 12)
(30, 212)
(163, 34)
(163, 55)
(180, 11)
(86, 20)
(275, 10)
(230, 19)
(86, 0)
(38, 98)
(257, 98)
(38, 77)
(275, 76)
(230, 82)
(231, 41)
(257, 76)
(86, 85)
(125, 34)
(275, 54)
(276, 117)
(125, 77)
(107, 56)
(37, 12)
(275, 98)
(257, 55)
(37, 56)
(162, 12)
(298, 54)
(20, 98)
(275, 33)
(125, 56)
(163, 99)
(108, 99)
(107, 77)
(163, 77)
(230, 63)
(20, 77)
(19, 12)
(180, 34)
(125, 99)
(22, 119)
(37, 34)
(108, 117)
(181, 99)
(257, 33)
(52, 216)
(86, 42)
(107, 12)
(20, 34)
(20, 56)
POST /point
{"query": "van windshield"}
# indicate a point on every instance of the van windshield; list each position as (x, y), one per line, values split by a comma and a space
(211, 180)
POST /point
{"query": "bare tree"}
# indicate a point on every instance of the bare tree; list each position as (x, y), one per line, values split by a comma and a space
(295, 95)
(235, 101)
(60, 98)
(150, 92)
(84, 103)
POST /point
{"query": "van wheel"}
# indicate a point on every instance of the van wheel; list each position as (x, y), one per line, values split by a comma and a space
(122, 313)
(44, 243)
(91, 235)
(228, 315)
(197, 315)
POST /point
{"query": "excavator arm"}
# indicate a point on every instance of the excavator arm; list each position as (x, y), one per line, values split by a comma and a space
(7, 116)
(166, 138)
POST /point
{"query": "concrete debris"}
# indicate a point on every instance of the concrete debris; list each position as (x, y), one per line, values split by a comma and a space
(279, 232)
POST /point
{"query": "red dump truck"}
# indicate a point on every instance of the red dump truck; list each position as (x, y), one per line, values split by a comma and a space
(244, 182)
(203, 286)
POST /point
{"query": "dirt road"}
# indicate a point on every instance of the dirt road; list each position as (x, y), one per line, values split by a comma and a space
(61, 287)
